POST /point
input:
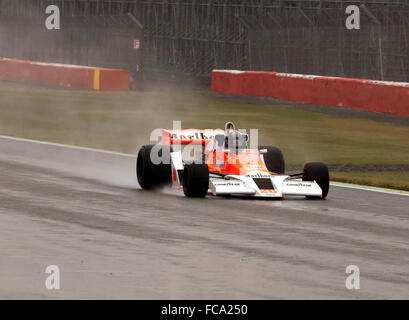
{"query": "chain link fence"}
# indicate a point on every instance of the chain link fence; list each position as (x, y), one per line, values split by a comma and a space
(186, 39)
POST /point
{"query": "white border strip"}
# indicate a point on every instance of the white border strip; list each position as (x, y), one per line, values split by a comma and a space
(311, 77)
(335, 184)
(68, 146)
(370, 188)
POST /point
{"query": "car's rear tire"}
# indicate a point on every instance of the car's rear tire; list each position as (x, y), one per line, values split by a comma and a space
(318, 172)
(273, 159)
(195, 180)
(152, 176)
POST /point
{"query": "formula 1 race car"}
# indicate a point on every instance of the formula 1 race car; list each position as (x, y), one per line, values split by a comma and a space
(223, 165)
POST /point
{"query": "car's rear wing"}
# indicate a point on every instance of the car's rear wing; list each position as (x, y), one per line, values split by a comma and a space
(184, 137)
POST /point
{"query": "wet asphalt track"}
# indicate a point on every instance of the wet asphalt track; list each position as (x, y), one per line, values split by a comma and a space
(82, 210)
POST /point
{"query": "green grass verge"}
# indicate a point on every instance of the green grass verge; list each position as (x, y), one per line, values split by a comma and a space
(393, 180)
(123, 121)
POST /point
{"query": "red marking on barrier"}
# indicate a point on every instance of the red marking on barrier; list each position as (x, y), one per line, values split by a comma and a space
(79, 77)
(378, 96)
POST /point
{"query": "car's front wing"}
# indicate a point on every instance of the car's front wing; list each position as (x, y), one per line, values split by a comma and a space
(257, 185)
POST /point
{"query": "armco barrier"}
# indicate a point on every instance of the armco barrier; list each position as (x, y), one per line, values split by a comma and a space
(379, 96)
(79, 77)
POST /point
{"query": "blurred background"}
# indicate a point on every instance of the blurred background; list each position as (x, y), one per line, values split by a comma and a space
(186, 39)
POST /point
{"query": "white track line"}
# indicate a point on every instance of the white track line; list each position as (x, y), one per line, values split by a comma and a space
(370, 188)
(335, 184)
(67, 146)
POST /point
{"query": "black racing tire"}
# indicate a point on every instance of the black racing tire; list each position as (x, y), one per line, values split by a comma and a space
(318, 172)
(273, 159)
(150, 175)
(195, 180)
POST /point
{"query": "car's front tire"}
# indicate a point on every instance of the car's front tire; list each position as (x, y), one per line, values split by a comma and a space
(273, 159)
(318, 172)
(195, 180)
(150, 175)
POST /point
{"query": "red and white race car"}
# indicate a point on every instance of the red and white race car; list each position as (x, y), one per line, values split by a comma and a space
(223, 165)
